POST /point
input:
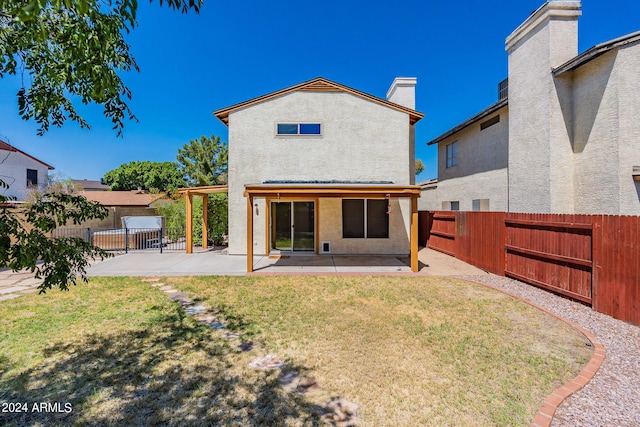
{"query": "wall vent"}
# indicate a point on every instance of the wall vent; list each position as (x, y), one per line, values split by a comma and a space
(325, 248)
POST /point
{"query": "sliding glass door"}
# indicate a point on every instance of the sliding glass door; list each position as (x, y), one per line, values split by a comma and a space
(293, 226)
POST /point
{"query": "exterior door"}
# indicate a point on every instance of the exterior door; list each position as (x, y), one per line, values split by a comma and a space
(293, 226)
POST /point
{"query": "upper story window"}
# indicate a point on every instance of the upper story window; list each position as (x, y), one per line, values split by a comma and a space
(299, 129)
(32, 177)
(452, 154)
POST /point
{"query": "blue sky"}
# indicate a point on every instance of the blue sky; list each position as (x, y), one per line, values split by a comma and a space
(236, 50)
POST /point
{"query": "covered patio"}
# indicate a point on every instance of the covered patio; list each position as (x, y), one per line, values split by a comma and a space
(288, 191)
(305, 191)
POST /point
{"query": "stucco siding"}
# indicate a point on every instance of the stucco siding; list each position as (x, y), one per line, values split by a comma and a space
(13, 171)
(529, 125)
(596, 117)
(399, 227)
(491, 185)
(540, 152)
(360, 141)
(481, 170)
(628, 64)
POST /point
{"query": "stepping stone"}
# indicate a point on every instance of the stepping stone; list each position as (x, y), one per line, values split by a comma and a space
(245, 346)
(308, 385)
(166, 288)
(177, 295)
(341, 413)
(185, 302)
(270, 361)
(231, 335)
(290, 381)
(195, 309)
(157, 285)
(217, 325)
(150, 279)
(207, 318)
(172, 291)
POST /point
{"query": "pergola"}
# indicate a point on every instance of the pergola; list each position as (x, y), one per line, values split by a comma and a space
(204, 193)
(316, 191)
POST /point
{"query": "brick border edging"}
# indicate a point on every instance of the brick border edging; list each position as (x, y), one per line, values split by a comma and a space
(544, 416)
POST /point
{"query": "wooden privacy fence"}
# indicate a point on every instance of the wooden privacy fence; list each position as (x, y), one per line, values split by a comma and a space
(594, 259)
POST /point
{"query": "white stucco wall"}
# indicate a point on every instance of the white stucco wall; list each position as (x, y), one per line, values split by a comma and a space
(13, 171)
(540, 151)
(399, 228)
(361, 141)
(481, 172)
(606, 96)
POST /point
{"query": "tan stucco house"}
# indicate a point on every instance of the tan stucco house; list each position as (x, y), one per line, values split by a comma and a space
(566, 137)
(323, 168)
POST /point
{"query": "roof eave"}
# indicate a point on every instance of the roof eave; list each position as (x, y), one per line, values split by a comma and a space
(596, 51)
(223, 113)
(481, 115)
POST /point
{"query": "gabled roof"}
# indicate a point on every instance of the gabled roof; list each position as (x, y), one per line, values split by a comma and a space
(318, 84)
(7, 147)
(596, 51)
(481, 115)
(121, 198)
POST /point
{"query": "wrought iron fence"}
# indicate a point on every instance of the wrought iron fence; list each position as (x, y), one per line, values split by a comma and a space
(129, 239)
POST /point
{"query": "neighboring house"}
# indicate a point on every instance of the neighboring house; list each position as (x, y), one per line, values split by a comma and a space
(323, 168)
(21, 172)
(564, 140)
(129, 199)
(120, 204)
(88, 185)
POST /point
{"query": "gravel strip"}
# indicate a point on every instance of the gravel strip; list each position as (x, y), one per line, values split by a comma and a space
(612, 397)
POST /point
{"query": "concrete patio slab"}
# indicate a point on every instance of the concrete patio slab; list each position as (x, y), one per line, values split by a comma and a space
(170, 264)
(216, 263)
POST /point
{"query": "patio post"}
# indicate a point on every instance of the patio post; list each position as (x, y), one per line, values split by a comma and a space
(414, 235)
(249, 234)
(205, 220)
(189, 204)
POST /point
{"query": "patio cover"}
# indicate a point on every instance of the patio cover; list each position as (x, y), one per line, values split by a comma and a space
(333, 190)
(204, 192)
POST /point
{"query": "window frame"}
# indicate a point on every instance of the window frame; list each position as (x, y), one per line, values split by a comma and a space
(451, 154)
(366, 231)
(30, 183)
(299, 126)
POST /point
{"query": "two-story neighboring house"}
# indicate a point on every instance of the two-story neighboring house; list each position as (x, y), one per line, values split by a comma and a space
(320, 167)
(21, 172)
(564, 140)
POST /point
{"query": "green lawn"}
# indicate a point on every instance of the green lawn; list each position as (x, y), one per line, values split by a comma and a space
(408, 351)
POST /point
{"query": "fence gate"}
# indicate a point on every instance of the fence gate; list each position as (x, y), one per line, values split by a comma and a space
(554, 252)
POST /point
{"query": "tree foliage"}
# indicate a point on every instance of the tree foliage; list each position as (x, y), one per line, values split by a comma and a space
(71, 49)
(419, 166)
(204, 161)
(26, 241)
(218, 223)
(151, 176)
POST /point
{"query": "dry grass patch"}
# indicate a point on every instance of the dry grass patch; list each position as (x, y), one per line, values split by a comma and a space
(409, 351)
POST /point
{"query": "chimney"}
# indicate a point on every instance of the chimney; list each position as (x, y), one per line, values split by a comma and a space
(557, 22)
(403, 92)
(540, 151)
